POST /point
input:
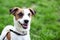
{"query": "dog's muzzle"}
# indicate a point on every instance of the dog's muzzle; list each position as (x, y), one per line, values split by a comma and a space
(25, 25)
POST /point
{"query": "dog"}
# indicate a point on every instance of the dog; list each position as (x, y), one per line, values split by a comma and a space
(21, 28)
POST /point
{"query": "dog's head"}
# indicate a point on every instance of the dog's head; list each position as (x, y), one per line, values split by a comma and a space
(23, 16)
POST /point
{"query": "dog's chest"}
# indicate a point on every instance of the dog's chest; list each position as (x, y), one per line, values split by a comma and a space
(19, 37)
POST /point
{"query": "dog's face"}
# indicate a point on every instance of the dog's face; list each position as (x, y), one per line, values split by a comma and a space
(22, 16)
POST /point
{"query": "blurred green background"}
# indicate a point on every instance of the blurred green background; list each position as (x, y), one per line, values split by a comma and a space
(45, 24)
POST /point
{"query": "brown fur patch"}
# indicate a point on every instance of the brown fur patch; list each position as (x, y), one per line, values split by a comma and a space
(8, 36)
(16, 14)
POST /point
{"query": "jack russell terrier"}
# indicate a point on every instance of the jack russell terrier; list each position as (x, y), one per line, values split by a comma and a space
(20, 30)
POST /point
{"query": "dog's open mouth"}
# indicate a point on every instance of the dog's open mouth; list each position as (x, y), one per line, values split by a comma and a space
(25, 26)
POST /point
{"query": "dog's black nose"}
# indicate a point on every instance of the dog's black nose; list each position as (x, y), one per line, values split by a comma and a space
(26, 21)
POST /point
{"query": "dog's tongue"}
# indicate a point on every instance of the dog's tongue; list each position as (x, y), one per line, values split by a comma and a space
(25, 26)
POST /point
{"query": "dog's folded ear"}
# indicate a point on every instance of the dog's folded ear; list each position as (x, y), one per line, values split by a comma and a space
(32, 11)
(13, 10)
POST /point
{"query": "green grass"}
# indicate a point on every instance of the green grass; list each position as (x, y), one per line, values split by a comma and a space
(45, 24)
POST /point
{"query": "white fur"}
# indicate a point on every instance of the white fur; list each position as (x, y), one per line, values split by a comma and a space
(18, 28)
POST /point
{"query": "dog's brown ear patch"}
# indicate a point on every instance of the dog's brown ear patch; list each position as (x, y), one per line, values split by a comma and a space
(32, 11)
(13, 10)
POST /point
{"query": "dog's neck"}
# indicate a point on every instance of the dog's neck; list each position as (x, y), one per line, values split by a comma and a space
(18, 27)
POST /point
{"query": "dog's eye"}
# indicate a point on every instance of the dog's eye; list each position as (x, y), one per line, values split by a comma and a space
(29, 14)
(20, 14)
